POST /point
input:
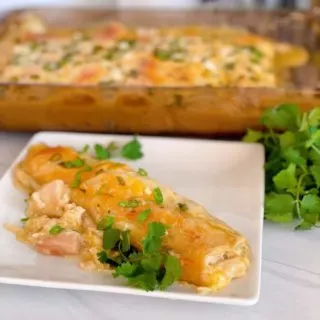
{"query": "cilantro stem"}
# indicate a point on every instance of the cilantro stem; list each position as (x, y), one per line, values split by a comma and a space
(316, 149)
(121, 253)
(297, 201)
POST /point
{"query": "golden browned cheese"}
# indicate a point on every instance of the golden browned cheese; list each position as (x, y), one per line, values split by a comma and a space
(116, 54)
(210, 252)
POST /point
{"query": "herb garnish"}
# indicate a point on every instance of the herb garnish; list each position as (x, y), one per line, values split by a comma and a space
(56, 230)
(77, 163)
(292, 169)
(101, 152)
(85, 149)
(150, 269)
(157, 195)
(132, 150)
(105, 222)
(183, 206)
(141, 172)
(77, 178)
(129, 203)
(143, 215)
(24, 219)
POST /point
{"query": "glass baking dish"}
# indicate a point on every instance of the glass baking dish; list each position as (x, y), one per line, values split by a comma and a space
(195, 111)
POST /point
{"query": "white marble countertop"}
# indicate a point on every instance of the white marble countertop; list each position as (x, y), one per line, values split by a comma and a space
(290, 283)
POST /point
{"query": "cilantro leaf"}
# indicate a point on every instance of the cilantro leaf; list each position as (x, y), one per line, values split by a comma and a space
(153, 240)
(102, 257)
(101, 152)
(157, 195)
(110, 238)
(279, 207)
(132, 150)
(146, 281)
(56, 230)
(77, 178)
(129, 203)
(172, 273)
(286, 179)
(314, 117)
(112, 146)
(310, 211)
(315, 171)
(287, 139)
(183, 207)
(126, 270)
(285, 116)
(143, 215)
(114, 261)
(85, 149)
(77, 163)
(105, 222)
(294, 156)
(314, 139)
(125, 241)
(304, 225)
(314, 156)
(152, 263)
(142, 172)
(252, 136)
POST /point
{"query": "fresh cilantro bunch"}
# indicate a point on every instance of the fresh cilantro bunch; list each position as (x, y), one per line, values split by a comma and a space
(292, 169)
(150, 269)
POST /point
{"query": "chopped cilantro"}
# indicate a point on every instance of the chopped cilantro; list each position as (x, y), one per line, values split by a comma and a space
(132, 150)
(113, 261)
(126, 43)
(125, 241)
(183, 206)
(105, 222)
(56, 230)
(85, 149)
(111, 53)
(142, 172)
(162, 54)
(157, 195)
(77, 178)
(110, 238)
(152, 241)
(96, 49)
(101, 152)
(77, 163)
(24, 219)
(51, 66)
(143, 215)
(112, 146)
(129, 203)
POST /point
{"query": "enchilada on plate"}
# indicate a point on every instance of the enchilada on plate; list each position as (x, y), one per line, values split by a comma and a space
(78, 203)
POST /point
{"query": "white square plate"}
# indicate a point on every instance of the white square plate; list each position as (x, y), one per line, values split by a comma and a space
(226, 177)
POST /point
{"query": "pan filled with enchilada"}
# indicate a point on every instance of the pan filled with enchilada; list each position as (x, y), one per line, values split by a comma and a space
(198, 73)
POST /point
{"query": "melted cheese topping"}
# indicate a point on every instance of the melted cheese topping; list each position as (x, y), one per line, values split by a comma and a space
(118, 55)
